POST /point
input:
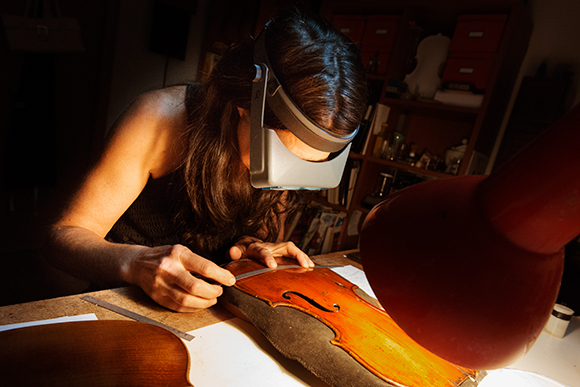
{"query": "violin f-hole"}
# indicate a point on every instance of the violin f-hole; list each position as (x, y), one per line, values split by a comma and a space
(286, 295)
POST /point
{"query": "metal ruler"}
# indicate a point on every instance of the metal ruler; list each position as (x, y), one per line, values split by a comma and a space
(136, 316)
(260, 271)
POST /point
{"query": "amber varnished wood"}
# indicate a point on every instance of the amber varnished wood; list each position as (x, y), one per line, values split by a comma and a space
(93, 353)
(366, 332)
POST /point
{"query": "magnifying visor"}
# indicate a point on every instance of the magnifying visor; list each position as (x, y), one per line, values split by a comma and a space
(272, 164)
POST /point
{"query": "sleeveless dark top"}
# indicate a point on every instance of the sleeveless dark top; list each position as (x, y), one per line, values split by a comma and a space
(149, 219)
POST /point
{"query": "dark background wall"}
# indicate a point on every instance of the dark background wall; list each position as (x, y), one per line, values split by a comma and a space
(55, 109)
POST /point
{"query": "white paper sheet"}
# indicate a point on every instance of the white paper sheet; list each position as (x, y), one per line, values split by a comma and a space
(235, 353)
(516, 378)
(356, 276)
(81, 317)
(558, 359)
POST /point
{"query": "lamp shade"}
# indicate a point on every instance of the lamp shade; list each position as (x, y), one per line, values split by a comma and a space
(470, 267)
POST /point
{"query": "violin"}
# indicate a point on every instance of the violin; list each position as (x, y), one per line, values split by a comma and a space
(365, 333)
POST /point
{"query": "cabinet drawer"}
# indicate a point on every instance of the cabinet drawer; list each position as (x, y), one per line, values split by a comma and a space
(380, 32)
(474, 70)
(350, 25)
(477, 33)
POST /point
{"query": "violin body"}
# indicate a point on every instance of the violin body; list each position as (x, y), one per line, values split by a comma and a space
(295, 298)
(93, 354)
(431, 56)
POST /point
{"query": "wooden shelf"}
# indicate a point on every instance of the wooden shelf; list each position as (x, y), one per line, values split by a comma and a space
(434, 109)
(410, 168)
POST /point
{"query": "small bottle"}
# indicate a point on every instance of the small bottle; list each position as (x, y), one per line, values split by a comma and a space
(395, 140)
(454, 170)
(412, 156)
(381, 191)
(402, 153)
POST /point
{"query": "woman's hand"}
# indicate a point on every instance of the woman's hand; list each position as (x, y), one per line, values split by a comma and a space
(250, 247)
(165, 274)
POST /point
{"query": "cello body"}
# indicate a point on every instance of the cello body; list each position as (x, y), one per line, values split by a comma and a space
(319, 318)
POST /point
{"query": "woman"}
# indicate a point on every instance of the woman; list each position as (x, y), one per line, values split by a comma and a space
(171, 195)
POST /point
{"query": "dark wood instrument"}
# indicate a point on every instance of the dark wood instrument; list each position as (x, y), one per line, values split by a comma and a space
(481, 257)
(93, 353)
(363, 330)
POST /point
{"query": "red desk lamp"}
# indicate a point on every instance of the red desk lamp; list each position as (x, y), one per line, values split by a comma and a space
(470, 267)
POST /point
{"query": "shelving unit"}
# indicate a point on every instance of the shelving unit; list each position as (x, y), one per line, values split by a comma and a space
(435, 126)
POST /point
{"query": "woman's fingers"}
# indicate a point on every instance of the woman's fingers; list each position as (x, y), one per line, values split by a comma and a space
(209, 270)
(267, 252)
(180, 301)
(167, 278)
(294, 252)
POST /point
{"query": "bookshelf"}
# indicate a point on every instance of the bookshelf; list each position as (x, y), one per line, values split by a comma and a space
(431, 126)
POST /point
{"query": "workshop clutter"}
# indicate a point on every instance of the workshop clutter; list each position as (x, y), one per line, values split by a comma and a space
(374, 34)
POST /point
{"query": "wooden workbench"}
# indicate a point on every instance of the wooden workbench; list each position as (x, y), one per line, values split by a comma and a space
(135, 300)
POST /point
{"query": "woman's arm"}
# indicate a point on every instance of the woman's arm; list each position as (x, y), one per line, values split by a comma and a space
(142, 144)
(163, 272)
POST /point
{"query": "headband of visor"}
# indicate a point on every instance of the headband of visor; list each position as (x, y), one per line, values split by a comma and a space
(287, 112)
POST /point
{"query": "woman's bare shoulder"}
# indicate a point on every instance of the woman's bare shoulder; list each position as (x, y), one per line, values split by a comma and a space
(167, 101)
(155, 124)
(144, 142)
(161, 107)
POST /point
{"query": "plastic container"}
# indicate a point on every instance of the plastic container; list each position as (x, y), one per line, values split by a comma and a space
(558, 321)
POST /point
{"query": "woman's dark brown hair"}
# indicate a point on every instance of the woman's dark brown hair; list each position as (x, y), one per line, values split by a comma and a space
(321, 71)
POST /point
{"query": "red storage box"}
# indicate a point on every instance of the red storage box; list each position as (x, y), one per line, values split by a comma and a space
(369, 56)
(380, 32)
(468, 69)
(351, 25)
(477, 33)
